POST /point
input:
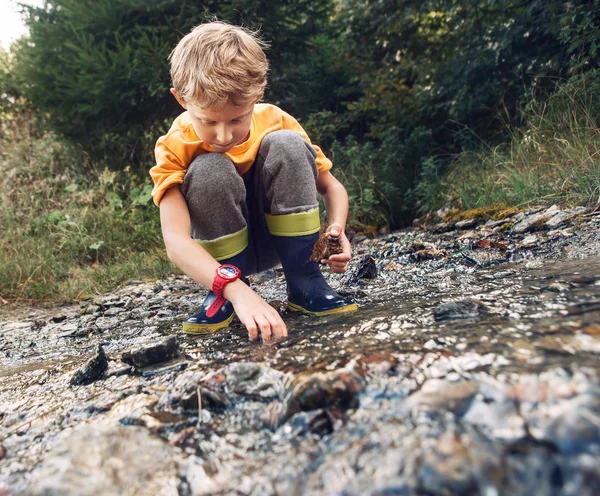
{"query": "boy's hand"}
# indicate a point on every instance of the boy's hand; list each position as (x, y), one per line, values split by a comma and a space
(255, 313)
(339, 263)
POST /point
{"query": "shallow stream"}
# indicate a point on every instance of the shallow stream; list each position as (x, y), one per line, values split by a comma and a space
(458, 375)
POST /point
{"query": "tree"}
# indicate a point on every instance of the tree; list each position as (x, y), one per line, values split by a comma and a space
(98, 68)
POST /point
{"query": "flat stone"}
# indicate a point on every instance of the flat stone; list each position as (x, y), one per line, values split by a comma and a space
(484, 258)
(462, 309)
(93, 370)
(337, 390)
(152, 353)
(254, 380)
(466, 224)
(437, 395)
(111, 460)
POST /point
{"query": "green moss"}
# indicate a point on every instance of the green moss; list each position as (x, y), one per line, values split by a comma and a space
(507, 226)
(495, 211)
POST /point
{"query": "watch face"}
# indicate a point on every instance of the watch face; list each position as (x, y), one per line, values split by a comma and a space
(229, 272)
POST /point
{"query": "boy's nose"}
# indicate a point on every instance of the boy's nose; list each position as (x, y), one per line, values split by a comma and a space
(224, 135)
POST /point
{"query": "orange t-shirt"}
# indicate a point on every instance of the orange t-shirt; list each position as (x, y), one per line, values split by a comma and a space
(176, 150)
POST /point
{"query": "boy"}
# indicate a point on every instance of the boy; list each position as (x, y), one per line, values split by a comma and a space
(236, 182)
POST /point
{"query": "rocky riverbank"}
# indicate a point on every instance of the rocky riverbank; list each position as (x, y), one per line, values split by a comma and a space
(472, 367)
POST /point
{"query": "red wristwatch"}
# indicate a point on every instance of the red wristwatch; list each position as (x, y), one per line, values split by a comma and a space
(225, 274)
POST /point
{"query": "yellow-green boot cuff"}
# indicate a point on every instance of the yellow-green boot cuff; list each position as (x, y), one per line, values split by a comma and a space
(227, 246)
(298, 224)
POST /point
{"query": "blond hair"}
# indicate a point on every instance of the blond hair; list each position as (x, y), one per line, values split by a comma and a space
(218, 63)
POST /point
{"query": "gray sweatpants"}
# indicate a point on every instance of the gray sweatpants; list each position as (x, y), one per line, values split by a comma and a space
(222, 203)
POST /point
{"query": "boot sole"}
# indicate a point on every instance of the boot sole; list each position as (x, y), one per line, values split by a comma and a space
(190, 328)
(346, 309)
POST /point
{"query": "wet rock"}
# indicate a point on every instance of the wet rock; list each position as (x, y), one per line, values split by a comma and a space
(378, 363)
(93, 370)
(462, 309)
(466, 224)
(443, 227)
(59, 317)
(185, 385)
(485, 258)
(446, 468)
(190, 393)
(206, 398)
(326, 246)
(429, 255)
(535, 221)
(201, 479)
(152, 353)
(497, 411)
(575, 431)
(486, 244)
(104, 459)
(129, 410)
(116, 369)
(255, 380)
(457, 461)
(438, 395)
(562, 217)
(319, 422)
(165, 422)
(335, 390)
(557, 287)
(365, 269)
(175, 365)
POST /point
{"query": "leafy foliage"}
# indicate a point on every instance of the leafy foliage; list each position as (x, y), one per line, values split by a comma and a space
(99, 69)
(393, 88)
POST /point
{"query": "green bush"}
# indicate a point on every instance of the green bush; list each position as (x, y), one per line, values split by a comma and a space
(98, 69)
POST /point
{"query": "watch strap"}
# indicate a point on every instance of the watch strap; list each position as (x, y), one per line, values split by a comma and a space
(215, 306)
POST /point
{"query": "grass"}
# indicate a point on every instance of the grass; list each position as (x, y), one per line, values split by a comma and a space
(70, 230)
(554, 159)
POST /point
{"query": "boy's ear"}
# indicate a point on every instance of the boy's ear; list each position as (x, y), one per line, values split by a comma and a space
(181, 102)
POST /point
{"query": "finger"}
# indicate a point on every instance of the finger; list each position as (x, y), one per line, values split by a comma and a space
(334, 229)
(265, 328)
(340, 257)
(252, 330)
(278, 326)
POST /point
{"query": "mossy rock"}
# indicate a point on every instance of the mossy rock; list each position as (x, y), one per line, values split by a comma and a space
(495, 211)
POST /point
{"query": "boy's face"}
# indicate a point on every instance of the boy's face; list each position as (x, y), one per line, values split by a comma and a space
(222, 128)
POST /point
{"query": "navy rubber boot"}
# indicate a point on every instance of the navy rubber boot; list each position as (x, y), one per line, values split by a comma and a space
(199, 323)
(308, 292)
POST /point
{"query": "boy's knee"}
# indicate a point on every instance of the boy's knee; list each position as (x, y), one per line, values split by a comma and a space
(288, 150)
(212, 175)
(286, 141)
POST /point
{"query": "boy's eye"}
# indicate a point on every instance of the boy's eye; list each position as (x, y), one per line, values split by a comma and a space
(236, 121)
(208, 123)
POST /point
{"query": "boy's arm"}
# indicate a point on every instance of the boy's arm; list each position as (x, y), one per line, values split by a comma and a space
(255, 313)
(336, 202)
